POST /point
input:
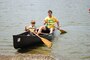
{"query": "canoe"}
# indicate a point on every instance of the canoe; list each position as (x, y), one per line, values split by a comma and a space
(27, 39)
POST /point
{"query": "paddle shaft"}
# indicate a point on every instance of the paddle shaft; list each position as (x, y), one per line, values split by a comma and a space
(45, 41)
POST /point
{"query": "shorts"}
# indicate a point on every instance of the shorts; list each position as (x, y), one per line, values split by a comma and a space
(46, 31)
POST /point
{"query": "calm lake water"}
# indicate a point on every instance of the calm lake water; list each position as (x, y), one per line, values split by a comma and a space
(73, 16)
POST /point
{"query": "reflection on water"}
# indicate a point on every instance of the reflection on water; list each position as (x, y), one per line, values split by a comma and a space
(35, 50)
(73, 15)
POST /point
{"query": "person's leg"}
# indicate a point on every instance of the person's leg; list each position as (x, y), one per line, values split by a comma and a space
(40, 29)
(51, 30)
(46, 30)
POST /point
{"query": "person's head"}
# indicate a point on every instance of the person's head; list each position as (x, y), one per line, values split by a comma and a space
(49, 13)
(33, 22)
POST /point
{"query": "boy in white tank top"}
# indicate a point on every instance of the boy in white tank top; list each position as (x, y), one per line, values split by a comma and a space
(31, 27)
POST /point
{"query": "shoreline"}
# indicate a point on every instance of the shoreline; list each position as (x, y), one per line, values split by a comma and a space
(27, 57)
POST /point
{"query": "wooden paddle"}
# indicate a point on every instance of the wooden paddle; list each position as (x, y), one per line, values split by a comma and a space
(45, 41)
(61, 30)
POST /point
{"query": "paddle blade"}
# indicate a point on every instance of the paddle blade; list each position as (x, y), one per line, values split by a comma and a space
(46, 42)
(62, 31)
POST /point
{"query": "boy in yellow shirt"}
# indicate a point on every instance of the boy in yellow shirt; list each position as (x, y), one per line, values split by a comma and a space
(49, 24)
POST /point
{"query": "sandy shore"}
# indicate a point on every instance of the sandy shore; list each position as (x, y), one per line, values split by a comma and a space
(27, 57)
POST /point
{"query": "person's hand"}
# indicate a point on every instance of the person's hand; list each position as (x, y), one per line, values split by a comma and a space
(58, 27)
(26, 28)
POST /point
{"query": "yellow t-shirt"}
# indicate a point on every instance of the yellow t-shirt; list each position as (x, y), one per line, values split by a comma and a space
(50, 22)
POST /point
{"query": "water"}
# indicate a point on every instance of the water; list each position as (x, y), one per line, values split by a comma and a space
(73, 16)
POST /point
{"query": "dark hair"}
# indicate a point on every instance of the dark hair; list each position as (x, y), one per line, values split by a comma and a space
(33, 22)
(49, 11)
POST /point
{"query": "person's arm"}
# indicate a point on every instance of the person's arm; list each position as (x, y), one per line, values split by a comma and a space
(36, 29)
(58, 25)
(45, 22)
(57, 21)
(26, 29)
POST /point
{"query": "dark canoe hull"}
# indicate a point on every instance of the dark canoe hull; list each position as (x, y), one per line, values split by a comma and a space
(26, 39)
